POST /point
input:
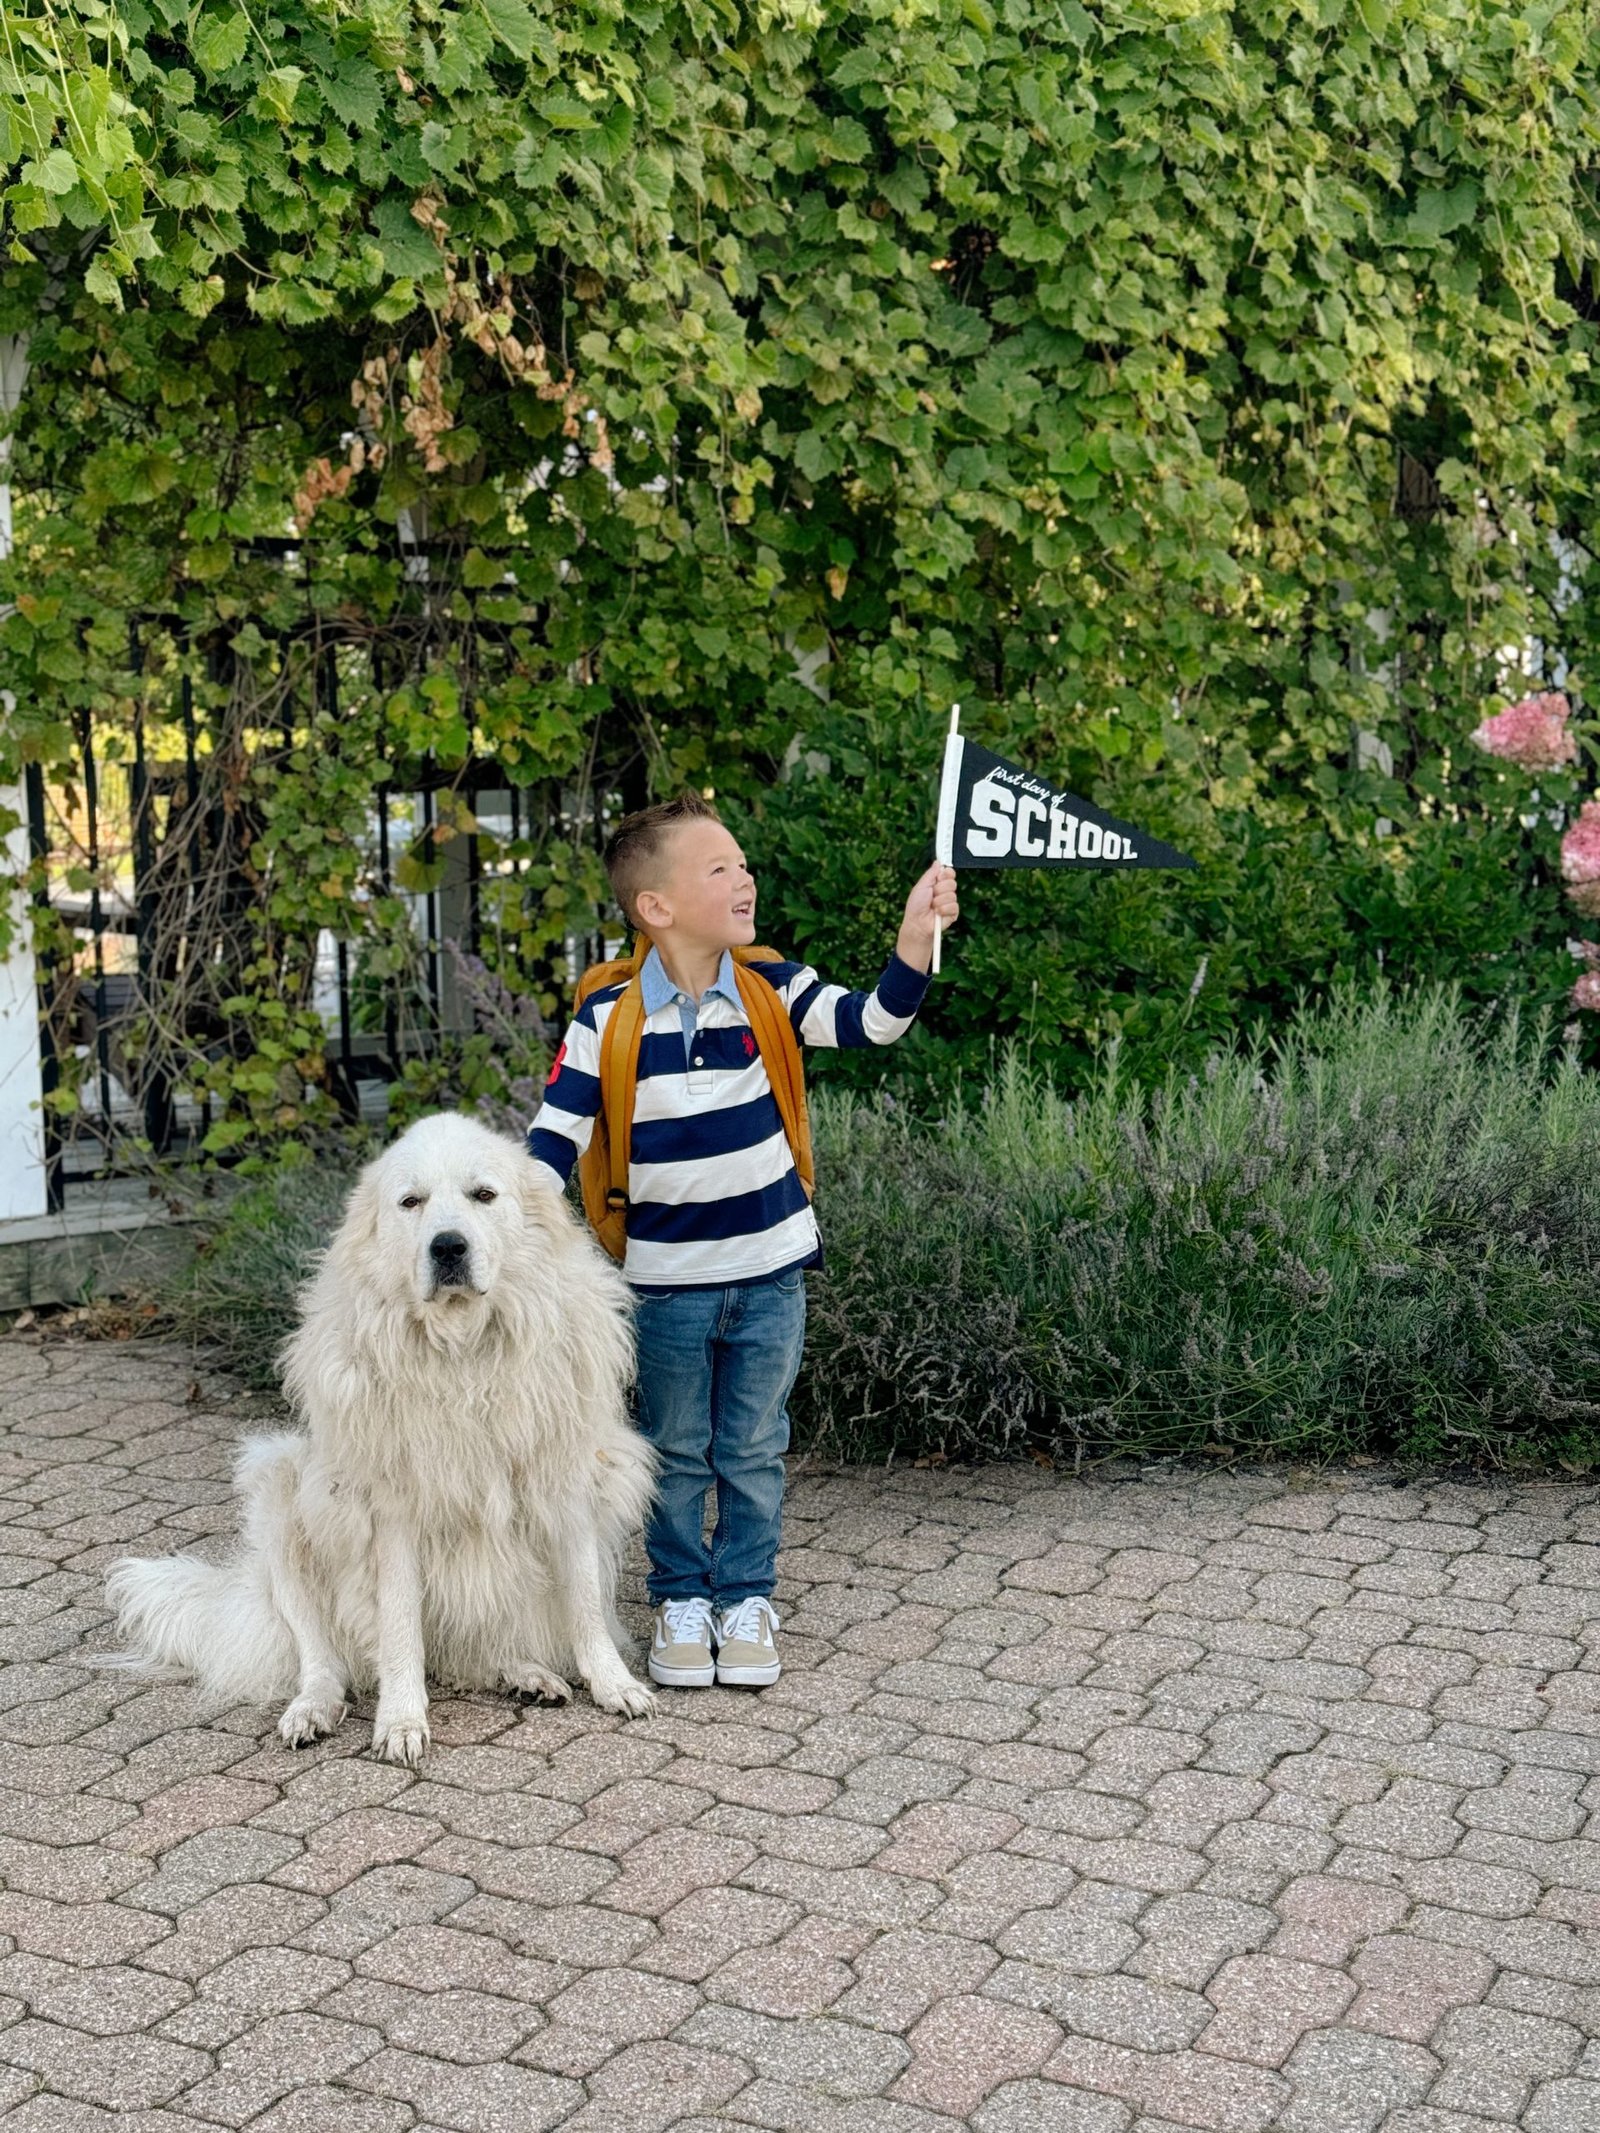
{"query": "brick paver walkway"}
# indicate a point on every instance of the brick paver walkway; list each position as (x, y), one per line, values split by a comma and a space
(1223, 1801)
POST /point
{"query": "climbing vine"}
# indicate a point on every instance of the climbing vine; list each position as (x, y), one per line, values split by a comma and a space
(713, 393)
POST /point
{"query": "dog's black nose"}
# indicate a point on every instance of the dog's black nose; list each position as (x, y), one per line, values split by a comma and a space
(448, 1248)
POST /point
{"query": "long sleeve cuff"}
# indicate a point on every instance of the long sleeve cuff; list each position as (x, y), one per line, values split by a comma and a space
(901, 989)
(554, 1153)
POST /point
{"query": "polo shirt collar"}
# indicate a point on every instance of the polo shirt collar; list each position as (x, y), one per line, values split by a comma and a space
(659, 991)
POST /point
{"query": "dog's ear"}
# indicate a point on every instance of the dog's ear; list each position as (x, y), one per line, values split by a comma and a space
(358, 1232)
(544, 1206)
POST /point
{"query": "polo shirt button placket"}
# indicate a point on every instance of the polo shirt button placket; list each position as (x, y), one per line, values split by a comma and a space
(699, 1082)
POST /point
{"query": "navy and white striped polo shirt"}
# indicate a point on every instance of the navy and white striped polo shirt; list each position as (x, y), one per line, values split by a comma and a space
(713, 1192)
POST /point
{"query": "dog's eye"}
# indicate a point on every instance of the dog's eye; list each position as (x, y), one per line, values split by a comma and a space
(412, 1199)
(484, 1194)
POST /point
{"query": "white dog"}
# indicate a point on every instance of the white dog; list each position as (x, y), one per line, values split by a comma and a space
(467, 1479)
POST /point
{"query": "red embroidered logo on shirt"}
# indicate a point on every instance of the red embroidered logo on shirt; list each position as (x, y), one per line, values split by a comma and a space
(555, 1068)
(749, 1045)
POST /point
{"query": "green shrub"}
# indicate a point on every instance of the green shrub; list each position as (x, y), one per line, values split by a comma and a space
(1380, 1234)
(239, 1296)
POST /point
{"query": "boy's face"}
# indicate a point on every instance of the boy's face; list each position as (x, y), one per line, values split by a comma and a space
(706, 897)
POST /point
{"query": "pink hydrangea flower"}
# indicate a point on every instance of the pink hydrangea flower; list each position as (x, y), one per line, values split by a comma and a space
(1586, 993)
(1580, 860)
(1532, 733)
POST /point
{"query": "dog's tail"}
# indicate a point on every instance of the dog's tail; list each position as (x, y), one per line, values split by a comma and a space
(214, 1623)
(183, 1619)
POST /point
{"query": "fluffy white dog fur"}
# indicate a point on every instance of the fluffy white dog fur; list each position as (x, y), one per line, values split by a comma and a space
(466, 1480)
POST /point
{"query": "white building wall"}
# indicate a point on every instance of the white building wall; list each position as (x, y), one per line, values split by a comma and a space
(22, 1170)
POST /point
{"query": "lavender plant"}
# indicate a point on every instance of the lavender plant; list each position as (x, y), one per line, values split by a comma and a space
(495, 1068)
(1382, 1232)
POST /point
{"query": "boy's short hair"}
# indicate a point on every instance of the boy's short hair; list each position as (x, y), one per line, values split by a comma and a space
(636, 847)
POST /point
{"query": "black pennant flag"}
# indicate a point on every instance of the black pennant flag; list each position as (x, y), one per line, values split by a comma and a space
(991, 814)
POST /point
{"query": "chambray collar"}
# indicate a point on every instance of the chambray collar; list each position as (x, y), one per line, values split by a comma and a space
(659, 991)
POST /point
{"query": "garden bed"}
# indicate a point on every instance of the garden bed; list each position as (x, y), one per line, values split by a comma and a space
(1381, 1236)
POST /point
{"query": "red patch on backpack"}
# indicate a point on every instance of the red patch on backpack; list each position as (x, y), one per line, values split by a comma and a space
(555, 1068)
(749, 1045)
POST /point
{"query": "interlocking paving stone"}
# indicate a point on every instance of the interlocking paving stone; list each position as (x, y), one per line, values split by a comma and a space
(966, 2047)
(648, 2087)
(1409, 1985)
(1046, 2107)
(1267, 2003)
(1182, 1803)
(1347, 2083)
(1192, 2090)
(120, 2073)
(903, 1973)
(320, 2109)
(470, 2028)
(226, 1924)
(791, 2107)
(444, 1959)
(781, 1980)
(1186, 1938)
(106, 2001)
(215, 1859)
(471, 2099)
(279, 2054)
(1564, 2107)
(832, 2055)
(1493, 2059)
(625, 2004)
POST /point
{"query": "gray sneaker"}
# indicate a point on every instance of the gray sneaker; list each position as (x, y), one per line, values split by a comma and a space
(747, 1644)
(680, 1645)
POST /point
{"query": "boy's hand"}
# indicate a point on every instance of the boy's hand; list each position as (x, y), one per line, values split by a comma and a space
(933, 897)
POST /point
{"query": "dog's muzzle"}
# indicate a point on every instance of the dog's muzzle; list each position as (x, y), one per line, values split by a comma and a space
(447, 1255)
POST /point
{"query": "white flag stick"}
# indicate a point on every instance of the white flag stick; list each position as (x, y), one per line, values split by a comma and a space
(944, 835)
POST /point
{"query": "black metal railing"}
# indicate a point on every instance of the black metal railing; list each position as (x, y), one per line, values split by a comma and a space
(128, 853)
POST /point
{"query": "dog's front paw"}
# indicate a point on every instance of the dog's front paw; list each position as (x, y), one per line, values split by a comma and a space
(401, 1738)
(537, 1684)
(309, 1718)
(624, 1695)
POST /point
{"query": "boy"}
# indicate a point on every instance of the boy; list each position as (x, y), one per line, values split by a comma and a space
(720, 1230)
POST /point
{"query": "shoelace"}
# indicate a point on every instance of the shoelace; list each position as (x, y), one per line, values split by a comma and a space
(686, 1621)
(742, 1622)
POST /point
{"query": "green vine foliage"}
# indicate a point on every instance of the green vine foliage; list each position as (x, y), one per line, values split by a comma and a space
(1201, 396)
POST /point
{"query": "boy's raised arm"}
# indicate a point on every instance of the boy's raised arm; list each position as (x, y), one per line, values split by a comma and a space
(830, 1015)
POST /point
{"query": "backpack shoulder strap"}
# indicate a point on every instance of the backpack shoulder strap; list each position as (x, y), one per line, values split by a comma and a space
(780, 1051)
(619, 1074)
(616, 972)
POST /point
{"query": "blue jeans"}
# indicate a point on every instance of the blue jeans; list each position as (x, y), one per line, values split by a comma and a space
(715, 1368)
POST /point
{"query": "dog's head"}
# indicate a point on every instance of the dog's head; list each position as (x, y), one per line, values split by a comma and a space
(455, 1247)
(445, 1218)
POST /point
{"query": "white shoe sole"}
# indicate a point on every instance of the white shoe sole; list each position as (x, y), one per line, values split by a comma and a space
(683, 1677)
(750, 1677)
